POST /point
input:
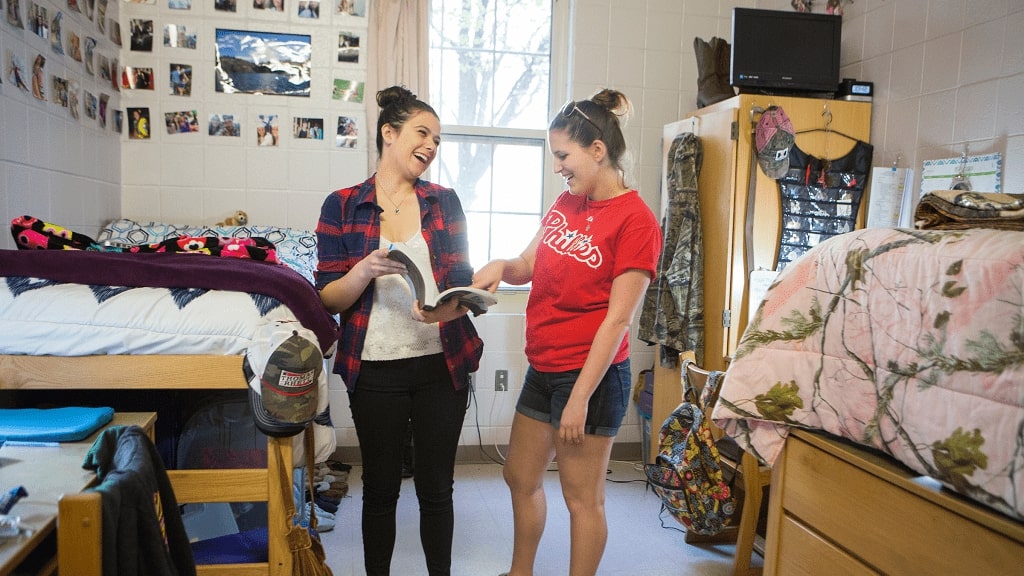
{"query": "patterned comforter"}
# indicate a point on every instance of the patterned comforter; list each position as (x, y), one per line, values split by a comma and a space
(907, 341)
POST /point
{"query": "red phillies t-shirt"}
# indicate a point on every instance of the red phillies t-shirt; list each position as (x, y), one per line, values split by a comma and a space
(573, 273)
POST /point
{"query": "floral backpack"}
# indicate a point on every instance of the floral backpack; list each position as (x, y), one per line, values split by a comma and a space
(686, 474)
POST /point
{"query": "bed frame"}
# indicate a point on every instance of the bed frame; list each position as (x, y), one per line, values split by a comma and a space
(858, 512)
(78, 538)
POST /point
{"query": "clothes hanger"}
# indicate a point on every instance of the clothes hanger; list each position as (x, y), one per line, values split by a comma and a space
(827, 129)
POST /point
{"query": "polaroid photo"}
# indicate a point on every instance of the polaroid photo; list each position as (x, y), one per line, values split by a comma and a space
(181, 79)
(37, 20)
(181, 122)
(137, 78)
(14, 14)
(74, 47)
(102, 112)
(90, 53)
(354, 8)
(115, 32)
(269, 5)
(56, 42)
(304, 128)
(15, 70)
(348, 90)
(347, 135)
(178, 36)
(141, 35)
(103, 67)
(348, 47)
(138, 124)
(74, 104)
(60, 91)
(91, 104)
(268, 132)
(224, 125)
(101, 16)
(39, 77)
(309, 9)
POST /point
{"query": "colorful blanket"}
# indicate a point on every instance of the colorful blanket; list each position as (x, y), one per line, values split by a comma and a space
(31, 233)
(907, 341)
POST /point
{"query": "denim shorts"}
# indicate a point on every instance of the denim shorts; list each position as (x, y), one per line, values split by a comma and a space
(545, 394)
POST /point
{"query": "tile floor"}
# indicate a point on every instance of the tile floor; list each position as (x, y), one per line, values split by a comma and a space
(639, 542)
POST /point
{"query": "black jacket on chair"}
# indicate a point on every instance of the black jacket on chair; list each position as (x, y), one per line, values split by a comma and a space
(143, 532)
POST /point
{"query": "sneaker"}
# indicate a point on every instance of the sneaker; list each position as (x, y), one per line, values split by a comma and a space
(327, 505)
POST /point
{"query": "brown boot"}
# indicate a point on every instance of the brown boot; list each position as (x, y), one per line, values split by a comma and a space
(724, 51)
(710, 86)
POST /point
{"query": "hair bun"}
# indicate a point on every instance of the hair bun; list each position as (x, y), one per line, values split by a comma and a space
(394, 95)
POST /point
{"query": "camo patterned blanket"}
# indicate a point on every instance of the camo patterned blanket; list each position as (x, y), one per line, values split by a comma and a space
(907, 341)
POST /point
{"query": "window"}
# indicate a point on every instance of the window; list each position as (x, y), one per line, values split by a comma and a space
(492, 75)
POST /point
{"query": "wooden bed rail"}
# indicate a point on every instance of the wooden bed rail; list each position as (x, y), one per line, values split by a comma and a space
(80, 517)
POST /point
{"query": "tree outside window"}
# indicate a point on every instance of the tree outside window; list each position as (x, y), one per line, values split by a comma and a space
(490, 82)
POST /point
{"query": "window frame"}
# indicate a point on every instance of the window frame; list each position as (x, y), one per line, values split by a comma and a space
(553, 184)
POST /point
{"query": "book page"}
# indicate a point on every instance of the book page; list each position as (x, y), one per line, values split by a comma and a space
(421, 283)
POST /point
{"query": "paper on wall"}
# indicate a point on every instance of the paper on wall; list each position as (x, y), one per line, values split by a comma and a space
(983, 172)
(887, 201)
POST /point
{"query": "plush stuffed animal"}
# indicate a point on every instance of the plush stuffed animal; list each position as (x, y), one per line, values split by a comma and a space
(239, 218)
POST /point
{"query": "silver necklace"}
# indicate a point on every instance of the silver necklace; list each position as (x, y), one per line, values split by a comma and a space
(590, 219)
(391, 198)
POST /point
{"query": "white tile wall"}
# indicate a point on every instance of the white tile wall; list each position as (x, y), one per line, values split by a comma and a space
(947, 73)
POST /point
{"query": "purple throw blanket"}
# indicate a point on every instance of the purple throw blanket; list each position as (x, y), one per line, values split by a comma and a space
(170, 270)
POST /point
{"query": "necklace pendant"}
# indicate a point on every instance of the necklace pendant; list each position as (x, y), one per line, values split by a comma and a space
(396, 210)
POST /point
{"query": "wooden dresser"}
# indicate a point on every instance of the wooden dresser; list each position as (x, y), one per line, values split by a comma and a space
(839, 510)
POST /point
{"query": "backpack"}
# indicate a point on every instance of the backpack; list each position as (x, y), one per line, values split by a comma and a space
(686, 474)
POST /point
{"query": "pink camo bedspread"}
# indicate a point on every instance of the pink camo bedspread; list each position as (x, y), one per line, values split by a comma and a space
(907, 341)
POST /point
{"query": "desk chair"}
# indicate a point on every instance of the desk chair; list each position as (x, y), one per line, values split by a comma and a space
(749, 476)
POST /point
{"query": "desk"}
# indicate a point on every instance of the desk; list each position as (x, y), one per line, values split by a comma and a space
(47, 474)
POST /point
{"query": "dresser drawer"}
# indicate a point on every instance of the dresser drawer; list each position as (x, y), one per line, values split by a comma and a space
(802, 552)
(885, 524)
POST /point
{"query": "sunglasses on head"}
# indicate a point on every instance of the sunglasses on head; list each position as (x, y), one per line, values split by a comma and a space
(571, 108)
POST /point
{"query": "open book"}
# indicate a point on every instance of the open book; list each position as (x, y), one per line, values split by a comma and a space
(423, 287)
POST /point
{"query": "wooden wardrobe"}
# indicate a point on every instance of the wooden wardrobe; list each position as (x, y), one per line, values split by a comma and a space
(740, 210)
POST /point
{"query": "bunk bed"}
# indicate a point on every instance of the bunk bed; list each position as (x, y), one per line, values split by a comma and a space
(882, 379)
(116, 320)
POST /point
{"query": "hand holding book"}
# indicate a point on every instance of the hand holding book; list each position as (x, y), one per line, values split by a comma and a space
(424, 289)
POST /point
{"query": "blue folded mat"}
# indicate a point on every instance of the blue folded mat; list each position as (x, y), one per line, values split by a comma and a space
(66, 424)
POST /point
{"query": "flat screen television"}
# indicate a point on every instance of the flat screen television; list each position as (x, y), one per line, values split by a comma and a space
(779, 52)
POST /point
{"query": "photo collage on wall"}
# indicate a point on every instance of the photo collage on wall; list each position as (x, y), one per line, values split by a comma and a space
(62, 53)
(263, 50)
(265, 61)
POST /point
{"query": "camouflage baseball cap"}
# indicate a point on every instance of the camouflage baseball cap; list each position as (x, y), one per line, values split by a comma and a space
(773, 138)
(283, 365)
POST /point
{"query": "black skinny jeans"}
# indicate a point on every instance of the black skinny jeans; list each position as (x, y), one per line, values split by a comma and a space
(387, 396)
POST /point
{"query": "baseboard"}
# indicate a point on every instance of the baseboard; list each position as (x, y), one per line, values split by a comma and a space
(624, 451)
